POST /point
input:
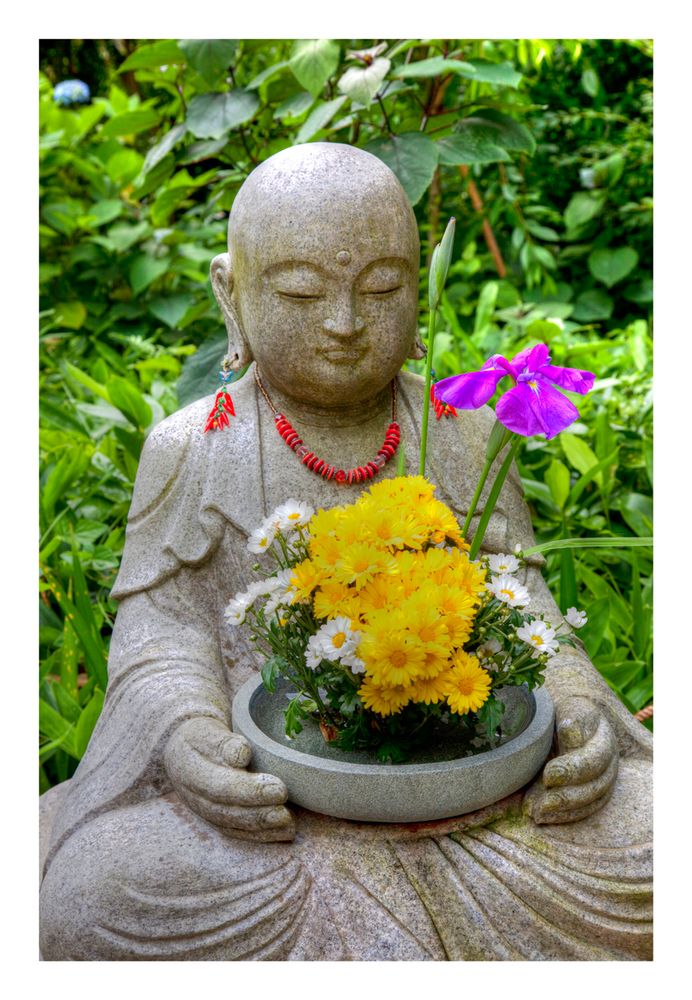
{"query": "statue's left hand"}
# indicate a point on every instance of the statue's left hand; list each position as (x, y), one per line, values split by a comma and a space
(580, 779)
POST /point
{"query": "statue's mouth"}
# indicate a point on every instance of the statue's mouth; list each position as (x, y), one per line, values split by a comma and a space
(343, 355)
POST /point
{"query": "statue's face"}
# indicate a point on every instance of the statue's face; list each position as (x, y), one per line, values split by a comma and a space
(325, 286)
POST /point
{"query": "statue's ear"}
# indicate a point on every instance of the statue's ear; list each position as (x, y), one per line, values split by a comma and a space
(418, 350)
(222, 283)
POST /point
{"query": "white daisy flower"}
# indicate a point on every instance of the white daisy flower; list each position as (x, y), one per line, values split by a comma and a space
(576, 618)
(486, 651)
(540, 635)
(336, 638)
(508, 589)
(261, 539)
(355, 663)
(503, 563)
(236, 609)
(313, 653)
(290, 515)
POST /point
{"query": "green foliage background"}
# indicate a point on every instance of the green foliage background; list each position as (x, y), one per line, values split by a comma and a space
(542, 150)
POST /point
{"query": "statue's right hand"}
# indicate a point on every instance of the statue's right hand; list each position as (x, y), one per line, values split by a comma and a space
(206, 763)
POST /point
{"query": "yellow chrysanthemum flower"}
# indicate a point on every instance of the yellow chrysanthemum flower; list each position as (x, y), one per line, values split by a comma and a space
(390, 527)
(436, 662)
(333, 599)
(430, 690)
(467, 685)
(325, 522)
(381, 593)
(360, 562)
(452, 601)
(325, 551)
(381, 699)
(304, 578)
(391, 659)
(458, 629)
(422, 617)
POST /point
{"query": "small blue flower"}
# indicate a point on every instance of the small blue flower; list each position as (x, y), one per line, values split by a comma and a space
(71, 92)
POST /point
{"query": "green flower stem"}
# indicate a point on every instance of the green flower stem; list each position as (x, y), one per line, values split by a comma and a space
(492, 499)
(476, 497)
(426, 392)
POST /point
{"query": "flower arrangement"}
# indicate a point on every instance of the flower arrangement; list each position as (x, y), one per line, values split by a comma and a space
(390, 636)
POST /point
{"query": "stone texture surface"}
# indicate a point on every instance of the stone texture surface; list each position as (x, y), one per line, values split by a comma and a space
(163, 845)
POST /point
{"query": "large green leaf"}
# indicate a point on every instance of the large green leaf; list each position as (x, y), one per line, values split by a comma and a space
(145, 269)
(157, 152)
(583, 207)
(557, 478)
(131, 122)
(435, 66)
(313, 62)
(210, 57)
(161, 53)
(499, 74)
(199, 377)
(579, 454)
(170, 309)
(319, 118)
(209, 116)
(127, 398)
(475, 141)
(413, 158)
(611, 266)
(87, 721)
(361, 83)
(592, 305)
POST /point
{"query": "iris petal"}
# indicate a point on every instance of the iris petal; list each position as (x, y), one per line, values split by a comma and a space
(573, 379)
(470, 390)
(535, 408)
(531, 357)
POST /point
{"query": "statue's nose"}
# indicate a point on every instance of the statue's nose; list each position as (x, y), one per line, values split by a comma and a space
(344, 321)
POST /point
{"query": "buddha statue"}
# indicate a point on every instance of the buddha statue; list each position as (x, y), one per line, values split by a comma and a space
(166, 845)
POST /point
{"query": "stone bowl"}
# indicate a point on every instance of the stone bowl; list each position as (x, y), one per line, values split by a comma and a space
(436, 785)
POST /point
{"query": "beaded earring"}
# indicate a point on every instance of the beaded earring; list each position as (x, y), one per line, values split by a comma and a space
(223, 404)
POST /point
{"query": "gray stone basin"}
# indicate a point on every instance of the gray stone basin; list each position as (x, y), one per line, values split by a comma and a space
(435, 785)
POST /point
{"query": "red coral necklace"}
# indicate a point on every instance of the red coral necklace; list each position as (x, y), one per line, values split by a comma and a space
(319, 466)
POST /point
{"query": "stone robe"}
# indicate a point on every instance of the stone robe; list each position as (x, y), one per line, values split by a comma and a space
(131, 873)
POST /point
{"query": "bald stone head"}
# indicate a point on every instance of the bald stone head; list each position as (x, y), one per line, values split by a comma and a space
(320, 282)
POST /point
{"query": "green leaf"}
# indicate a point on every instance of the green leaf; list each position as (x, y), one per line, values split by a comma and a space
(490, 715)
(511, 134)
(593, 305)
(611, 266)
(475, 141)
(70, 314)
(124, 166)
(144, 269)
(485, 309)
(272, 669)
(295, 106)
(293, 714)
(130, 123)
(500, 74)
(199, 377)
(642, 292)
(210, 116)
(266, 74)
(579, 455)
(637, 510)
(102, 212)
(557, 478)
(319, 118)
(127, 398)
(593, 633)
(362, 83)
(583, 207)
(87, 721)
(413, 158)
(52, 725)
(435, 66)
(157, 152)
(209, 57)
(67, 470)
(313, 62)
(590, 81)
(160, 53)
(170, 309)
(568, 581)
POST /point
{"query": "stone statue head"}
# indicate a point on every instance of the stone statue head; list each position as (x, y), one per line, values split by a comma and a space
(320, 282)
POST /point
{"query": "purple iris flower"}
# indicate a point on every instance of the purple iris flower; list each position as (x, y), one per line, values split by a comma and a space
(532, 405)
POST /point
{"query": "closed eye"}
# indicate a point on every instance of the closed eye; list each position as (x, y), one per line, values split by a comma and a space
(299, 296)
(383, 291)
